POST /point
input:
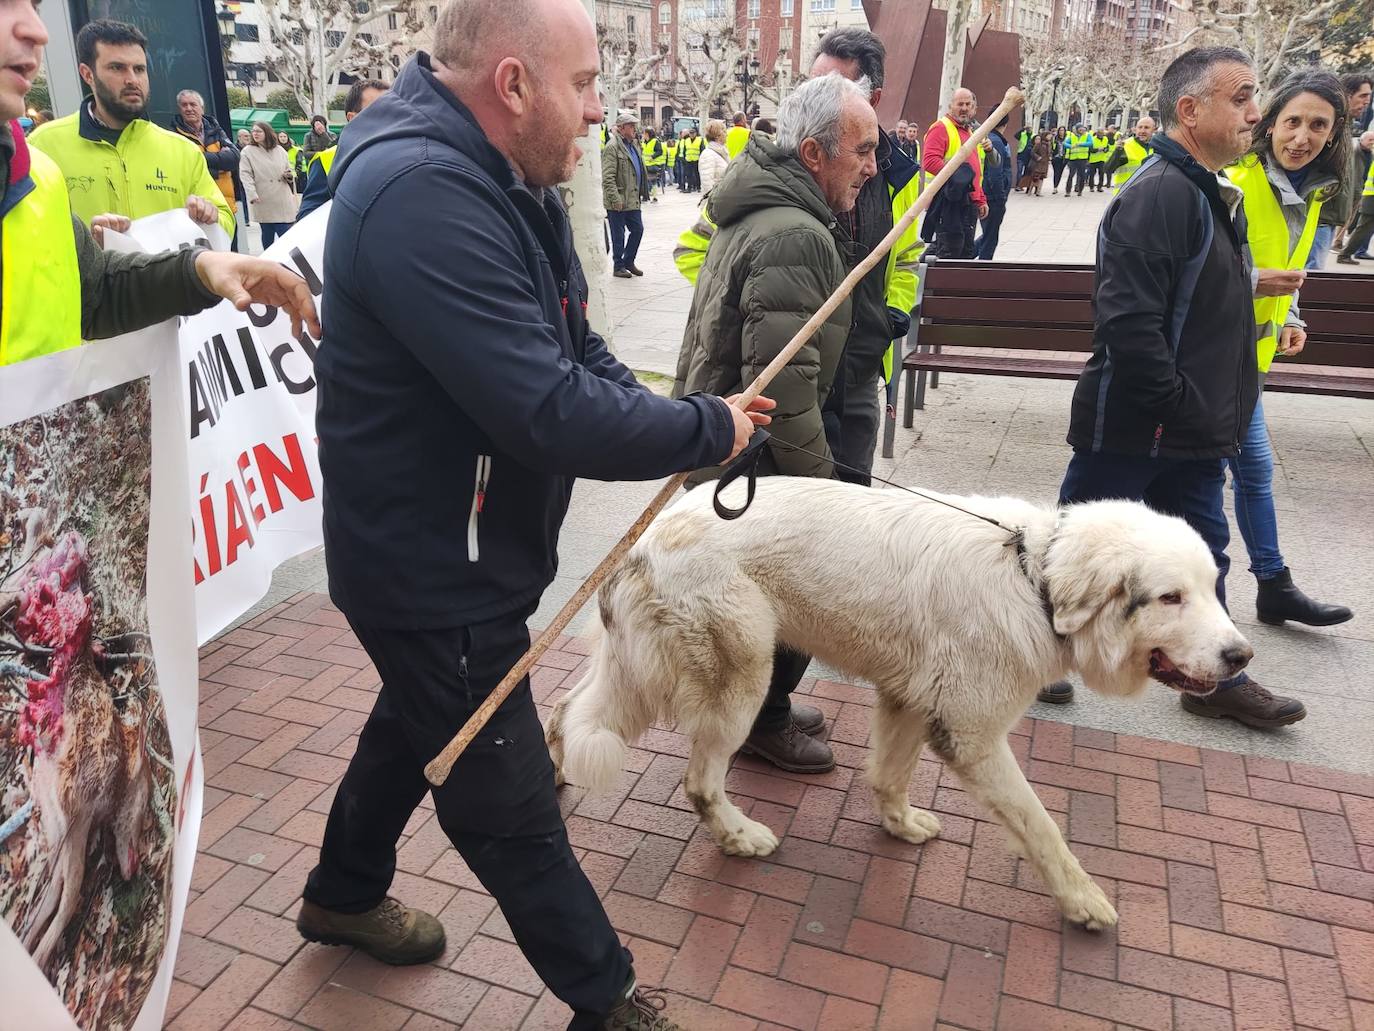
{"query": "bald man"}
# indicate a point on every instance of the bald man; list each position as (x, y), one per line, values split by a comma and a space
(961, 205)
(460, 394)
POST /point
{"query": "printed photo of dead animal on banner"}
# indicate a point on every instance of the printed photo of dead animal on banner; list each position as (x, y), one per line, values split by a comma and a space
(88, 793)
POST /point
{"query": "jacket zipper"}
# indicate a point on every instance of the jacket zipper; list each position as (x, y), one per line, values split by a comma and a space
(479, 498)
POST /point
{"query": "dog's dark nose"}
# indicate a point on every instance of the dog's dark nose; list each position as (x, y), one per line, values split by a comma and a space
(1237, 657)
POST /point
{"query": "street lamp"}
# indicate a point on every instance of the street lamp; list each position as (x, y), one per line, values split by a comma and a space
(225, 17)
(747, 76)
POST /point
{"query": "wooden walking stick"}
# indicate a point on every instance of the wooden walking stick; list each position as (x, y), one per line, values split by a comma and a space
(439, 768)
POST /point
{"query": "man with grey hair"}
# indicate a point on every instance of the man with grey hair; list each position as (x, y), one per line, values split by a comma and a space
(461, 392)
(221, 156)
(779, 250)
(1173, 379)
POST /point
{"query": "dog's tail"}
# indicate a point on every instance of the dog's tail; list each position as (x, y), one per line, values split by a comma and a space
(613, 702)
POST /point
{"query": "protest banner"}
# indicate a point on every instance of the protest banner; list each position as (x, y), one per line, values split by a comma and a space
(100, 781)
(249, 407)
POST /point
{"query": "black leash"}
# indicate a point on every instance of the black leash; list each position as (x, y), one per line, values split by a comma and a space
(747, 464)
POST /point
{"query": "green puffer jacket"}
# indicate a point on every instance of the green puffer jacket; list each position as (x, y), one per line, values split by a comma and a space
(776, 255)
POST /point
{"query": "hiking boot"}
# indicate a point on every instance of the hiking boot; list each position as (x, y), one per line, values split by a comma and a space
(807, 719)
(1247, 703)
(389, 931)
(1344, 259)
(788, 748)
(639, 1009)
(634, 270)
(1058, 693)
(621, 273)
(1279, 599)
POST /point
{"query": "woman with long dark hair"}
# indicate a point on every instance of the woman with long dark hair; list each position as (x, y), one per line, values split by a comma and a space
(269, 182)
(1058, 156)
(1299, 158)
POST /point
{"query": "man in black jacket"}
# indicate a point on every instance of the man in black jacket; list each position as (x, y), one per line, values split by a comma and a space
(1166, 396)
(460, 393)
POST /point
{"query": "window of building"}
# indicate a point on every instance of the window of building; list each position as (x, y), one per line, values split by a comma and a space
(784, 39)
(786, 9)
(630, 24)
(754, 8)
(334, 38)
(246, 33)
(391, 21)
(396, 62)
(822, 6)
(433, 13)
(753, 40)
(665, 14)
(367, 38)
(715, 8)
(856, 5)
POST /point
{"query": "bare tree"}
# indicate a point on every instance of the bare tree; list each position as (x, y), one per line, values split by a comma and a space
(1042, 63)
(708, 47)
(1276, 33)
(629, 62)
(957, 13)
(311, 42)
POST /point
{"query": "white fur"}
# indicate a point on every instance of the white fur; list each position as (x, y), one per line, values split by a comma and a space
(928, 604)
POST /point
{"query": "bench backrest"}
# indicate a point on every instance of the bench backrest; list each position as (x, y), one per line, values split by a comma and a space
(1028, 307)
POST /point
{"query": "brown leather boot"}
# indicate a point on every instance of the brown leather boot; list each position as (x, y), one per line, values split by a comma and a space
(390, 932)
(809, 719)
(789, 748)
(639, 1009)
(1247, 703)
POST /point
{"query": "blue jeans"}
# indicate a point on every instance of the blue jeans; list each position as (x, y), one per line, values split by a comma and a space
(1252, 477)
(627, 229)
(986, 245)
(1321, 248)
(1190, 489)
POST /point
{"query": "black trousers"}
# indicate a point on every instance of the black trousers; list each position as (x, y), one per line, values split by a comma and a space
(1078, 174)
(788, 669)
(693, 176)
(1058, 164)
(499, 807)
(954, 238)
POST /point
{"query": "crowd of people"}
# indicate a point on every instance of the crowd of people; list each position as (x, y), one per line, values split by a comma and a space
(1200, 264)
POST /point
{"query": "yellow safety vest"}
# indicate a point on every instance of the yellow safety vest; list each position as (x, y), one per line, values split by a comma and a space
(735, 139)
(671, 148)
(147, 171)
(1079, 145)
(1102, 149)
(1369, 182)
(1136, 153)
(41, 280)
(953, 147)
(647, 151)
(1270, 247)
(693, 147)
(325, 157)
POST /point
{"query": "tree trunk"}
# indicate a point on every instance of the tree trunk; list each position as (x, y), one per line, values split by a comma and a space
(956, 39)
(582, 195)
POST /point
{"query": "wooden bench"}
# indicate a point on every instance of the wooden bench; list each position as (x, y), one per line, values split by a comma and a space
(1029, 320)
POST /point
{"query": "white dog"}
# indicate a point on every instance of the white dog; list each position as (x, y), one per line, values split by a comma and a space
(956, 622)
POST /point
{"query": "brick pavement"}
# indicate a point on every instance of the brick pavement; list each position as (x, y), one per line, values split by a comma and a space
(1245, 886)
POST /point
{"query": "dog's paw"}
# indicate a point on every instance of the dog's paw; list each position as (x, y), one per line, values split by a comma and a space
(1088, 905)
(749, 839)
(913, 825)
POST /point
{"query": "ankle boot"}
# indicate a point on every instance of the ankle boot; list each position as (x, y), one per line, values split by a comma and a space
(1279, 599)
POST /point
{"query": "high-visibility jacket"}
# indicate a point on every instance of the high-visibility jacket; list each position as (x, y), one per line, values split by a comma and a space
(1079, 146)
(149, 170)
(692, 149)
(671, 148)
(40, 288)
(735, 139)
(325, 157)
(652, 152)
(952, 148)
(1136, 153)
(903, 260)
(1022, 139)
(1101, 149)
(1271, 247)
(293, 157)
(1369, 182)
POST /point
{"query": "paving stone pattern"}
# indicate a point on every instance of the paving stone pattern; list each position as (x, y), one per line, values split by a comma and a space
(1245, 886)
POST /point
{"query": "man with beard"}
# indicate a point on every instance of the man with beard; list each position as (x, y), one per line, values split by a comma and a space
(461, 393)
(116, 161)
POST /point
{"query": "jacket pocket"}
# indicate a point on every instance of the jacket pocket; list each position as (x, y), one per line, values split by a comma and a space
(479, 498)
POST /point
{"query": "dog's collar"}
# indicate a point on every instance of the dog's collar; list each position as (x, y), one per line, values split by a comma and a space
(1039, 582)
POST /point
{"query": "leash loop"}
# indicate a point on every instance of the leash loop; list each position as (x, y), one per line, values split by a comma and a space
(746, 463)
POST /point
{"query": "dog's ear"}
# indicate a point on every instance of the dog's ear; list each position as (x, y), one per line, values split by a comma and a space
(1077, 600)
